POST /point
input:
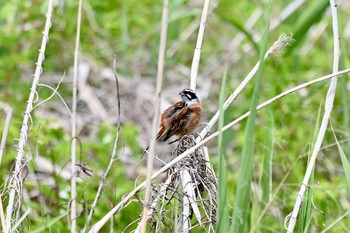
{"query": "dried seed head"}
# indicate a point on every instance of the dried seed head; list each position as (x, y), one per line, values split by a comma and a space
(282, 42)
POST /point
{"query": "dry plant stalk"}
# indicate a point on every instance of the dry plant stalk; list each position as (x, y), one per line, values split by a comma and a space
(15, 181)
(73, 201)
(155, 199)
(194, 72)
(326, 116)
(160, 74)
(20, 220)
(197, 51)
(2, 217)
(54, 92)
(189, 192)
(197, 178)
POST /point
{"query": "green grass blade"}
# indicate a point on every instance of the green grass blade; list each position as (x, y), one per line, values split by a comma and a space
(345, 101)
(256, 208)
(265, 182)
(309, 16)
(241, 28)
(49, 223)
(345, 62)
(223, 220)
(241, 214)
(345, 162)
(266, 177)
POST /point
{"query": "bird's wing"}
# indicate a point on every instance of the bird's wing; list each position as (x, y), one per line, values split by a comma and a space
(179, 122)
(166, 121)
(172, 110)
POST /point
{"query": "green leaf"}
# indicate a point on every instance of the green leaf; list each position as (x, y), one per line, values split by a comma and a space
(241, 28)
(266, 177)
(345, 162)
(309, 16)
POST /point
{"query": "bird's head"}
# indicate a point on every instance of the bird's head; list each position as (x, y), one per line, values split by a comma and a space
(188, 96)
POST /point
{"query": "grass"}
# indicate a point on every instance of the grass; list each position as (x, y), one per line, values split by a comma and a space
(241, 214)
(283, 133)
(223, 219)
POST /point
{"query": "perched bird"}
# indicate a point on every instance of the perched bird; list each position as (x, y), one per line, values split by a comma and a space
(181, 118)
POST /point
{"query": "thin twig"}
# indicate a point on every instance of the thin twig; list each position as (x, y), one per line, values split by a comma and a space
(326, 116)
(16, 180)
(197, 51)
(113, 156)
(336, 221)
(160, 74)
(6, 131)
(99, 224)
(20, 220)
(73, 202)
(54, 90)
(161, 194)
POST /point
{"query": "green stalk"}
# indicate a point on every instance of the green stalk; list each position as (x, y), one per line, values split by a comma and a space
(223, 220)
(266, 176)
(241, 214)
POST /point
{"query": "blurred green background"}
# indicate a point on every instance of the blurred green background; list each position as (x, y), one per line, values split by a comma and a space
(130, 30)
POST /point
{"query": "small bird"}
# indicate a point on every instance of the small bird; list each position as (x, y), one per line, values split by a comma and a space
(181, 118)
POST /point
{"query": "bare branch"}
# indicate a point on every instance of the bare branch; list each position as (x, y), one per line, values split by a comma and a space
(54, 90)
(73, 202)
(197, 51)
(160, 74)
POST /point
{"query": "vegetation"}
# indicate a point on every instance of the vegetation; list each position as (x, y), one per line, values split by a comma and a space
(260, 162)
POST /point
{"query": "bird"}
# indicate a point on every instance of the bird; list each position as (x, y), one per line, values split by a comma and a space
(181, 118)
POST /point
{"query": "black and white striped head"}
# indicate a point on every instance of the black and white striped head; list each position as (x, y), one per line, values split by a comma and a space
(188, 96)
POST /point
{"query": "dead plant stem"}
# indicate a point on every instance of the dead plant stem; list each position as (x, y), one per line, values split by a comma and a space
(198, 49)
(160, 74)
(73, 203)
(15, 184)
